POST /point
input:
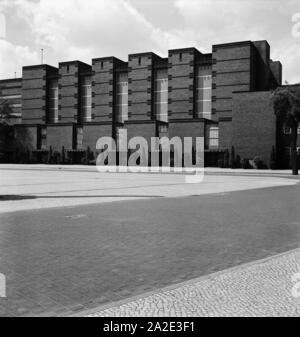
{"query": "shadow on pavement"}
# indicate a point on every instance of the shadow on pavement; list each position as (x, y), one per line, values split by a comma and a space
(26, 197)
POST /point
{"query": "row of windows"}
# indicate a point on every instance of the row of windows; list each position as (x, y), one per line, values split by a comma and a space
(122, 97)
(161, 95)
(53, 101)
(203, 98)
(288, 151)
(287, 130)
(213, 137)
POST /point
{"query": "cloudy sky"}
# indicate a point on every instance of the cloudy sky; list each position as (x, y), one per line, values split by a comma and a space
(85, 29)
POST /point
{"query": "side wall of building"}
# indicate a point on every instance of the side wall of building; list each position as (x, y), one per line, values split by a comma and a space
(253, 125)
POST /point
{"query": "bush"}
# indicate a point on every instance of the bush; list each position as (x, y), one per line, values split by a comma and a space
(232, 158)
(226, 159)
(273, 163)
(238, 162)
(245, 163)
(258, 163)
(220, 163)
(56, 158)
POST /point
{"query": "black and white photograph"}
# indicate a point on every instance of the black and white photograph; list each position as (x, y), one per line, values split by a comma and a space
(149, 157)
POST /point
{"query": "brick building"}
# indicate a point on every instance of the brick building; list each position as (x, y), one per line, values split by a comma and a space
(223, 96)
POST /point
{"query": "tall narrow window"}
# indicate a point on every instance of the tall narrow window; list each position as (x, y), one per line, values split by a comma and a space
(42, 138)
(122, 97)
(161, 95)
(204, 92)
(53, 101)
(79, 138)
(86, 98)
(213, 137)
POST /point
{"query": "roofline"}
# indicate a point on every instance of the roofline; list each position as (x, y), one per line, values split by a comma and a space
(232, 44)
(11, 80)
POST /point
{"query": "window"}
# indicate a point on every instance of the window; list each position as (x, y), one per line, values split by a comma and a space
(204, 92)
(79, 139)
(121, 137)
(286, 130)
(86, 98)
(53, 101)
(42, 138)
(122, 97)
(163, 129)
(161, 95)
(298, 151)
(298, 131)
(10, 97)
(213, 139)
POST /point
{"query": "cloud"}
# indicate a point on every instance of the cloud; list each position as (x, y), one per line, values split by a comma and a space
(77, 29)
(85, 29)
(221, 21)
(12, 58)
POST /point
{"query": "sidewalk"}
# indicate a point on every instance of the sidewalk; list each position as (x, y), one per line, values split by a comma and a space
(32, 187)
(261, 288)
(92, 168)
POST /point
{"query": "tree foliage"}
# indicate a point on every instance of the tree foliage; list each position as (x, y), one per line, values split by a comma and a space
(286, 104)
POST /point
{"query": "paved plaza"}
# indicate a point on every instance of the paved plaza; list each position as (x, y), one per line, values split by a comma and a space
(72, 239)
(31, 187)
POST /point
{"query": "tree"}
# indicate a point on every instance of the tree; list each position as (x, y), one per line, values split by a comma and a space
(5, 128)
(232, 158)
(286, 104)
(6, 113)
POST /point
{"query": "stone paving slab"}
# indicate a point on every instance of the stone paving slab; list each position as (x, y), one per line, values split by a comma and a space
(261, 288)
(38, 187)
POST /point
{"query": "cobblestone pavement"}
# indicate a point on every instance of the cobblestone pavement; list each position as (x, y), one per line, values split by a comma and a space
(263, 288)
(61, 261)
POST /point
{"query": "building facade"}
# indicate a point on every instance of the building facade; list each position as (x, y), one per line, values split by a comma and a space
(223, 96)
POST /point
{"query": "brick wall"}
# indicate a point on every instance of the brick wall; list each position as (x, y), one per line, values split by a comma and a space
(140, 86)
(253, 125)
(146, 130)
(60, 135)
(103, 87)
(193, 128)
(91, 133)
(225, 133)
(231, 72)
(69, 90)
(182, 82)
(34, 93)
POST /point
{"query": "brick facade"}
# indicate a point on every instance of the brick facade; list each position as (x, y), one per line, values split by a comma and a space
(253, 125)
(240, 76)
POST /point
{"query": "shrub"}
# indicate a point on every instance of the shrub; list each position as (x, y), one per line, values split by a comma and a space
(232, 158)
(258, 163)
(220, 163)
(238, 162)
(245, 163)
(226, 159)
(273, 159)
(56, 158)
